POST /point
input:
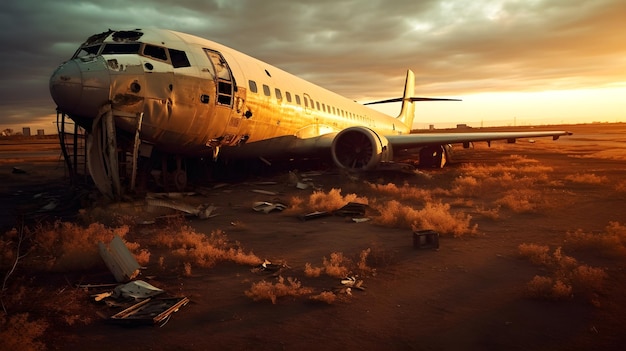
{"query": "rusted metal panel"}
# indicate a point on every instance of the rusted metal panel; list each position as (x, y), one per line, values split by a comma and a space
(119, 260)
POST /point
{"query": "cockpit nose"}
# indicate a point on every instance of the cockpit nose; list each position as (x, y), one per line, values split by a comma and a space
(80, 87)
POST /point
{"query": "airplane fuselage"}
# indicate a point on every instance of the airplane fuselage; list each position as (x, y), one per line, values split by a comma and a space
(194, 94)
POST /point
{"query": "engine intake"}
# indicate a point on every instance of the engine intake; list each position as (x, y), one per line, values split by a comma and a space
(360, 149)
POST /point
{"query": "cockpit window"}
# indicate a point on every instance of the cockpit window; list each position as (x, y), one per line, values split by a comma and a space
(156, 52)
(87, 50)
(179, 58)
(120, 49)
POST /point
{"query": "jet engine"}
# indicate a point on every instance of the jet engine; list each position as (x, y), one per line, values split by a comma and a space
(360, 149)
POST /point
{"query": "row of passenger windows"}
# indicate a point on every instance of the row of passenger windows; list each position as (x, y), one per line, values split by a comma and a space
(308, 102)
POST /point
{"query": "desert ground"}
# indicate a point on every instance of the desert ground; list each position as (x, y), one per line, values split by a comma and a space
(531, 255)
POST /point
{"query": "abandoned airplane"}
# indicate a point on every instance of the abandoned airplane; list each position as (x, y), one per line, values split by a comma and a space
(165, 96)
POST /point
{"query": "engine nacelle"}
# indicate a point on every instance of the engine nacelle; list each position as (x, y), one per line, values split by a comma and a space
(360, 149)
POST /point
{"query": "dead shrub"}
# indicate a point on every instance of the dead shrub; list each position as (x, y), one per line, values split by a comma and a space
(328, 297)
(202, 250)
(435, 216)
(68, 246)
(320, 201)
(548, 288)
(264, 290)
(567, 276)
(521, 200)
(336, 266)
(18, 333)
(611, 243)
(406, 191)
(312, 272)
(588, 178)
(537, 254)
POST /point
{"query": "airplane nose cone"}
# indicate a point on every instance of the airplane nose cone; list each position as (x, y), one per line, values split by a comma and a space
(66, 86)
(80, 87)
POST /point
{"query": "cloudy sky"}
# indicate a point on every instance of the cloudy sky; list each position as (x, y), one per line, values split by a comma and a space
(511, 61)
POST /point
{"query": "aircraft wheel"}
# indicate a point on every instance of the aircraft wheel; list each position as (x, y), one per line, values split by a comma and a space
(180, 179)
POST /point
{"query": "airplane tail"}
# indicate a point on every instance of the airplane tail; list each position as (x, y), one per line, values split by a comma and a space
(407, 111)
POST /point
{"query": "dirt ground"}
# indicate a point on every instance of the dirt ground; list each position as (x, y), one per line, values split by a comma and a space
(470, 294)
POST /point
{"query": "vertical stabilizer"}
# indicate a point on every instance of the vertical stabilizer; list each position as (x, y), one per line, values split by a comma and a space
(407, 112)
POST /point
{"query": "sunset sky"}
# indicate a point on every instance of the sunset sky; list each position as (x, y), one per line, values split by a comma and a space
(511, 62)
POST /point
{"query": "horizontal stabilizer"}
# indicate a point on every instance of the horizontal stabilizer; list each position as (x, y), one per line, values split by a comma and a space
(411, 99)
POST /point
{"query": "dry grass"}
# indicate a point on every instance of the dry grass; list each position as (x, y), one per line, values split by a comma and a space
(202, 250)
(566, 276)
(265, 290)
(65, 246)
(611, 243)
(405, 192)
(588, 178)
(436, 216)
(340, 266)
(17, 332)
(328, 297)
(522, 200)
(321, 201)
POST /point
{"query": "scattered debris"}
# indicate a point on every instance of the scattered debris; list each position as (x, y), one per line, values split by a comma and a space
(360, 220)
(202, 211)
(17, 170)
(150, 311)
(264, 192)
(267, 207)
(352, 282)
(119, 259)
(425, 239)
(268, 266)
(351, 209)
(137, 289)
(314, 215)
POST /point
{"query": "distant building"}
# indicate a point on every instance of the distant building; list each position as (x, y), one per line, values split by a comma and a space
(26, 131)
(40, 132)
(462, 126)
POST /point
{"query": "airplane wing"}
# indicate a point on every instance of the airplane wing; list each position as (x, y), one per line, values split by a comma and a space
(408, 141)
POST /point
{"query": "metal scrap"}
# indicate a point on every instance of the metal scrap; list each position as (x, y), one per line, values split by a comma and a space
(119, 259)
(267, 207)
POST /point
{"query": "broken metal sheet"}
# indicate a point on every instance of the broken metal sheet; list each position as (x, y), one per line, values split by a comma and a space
(150, 311)
(267, 207)
(119, 260)
(137, 289)
(264, 192)
(360, 220)
(202, 211)
(352, 209)
(314, 215)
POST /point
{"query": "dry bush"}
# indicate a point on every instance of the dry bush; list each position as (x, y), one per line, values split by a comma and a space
(18, 333)
(312, 272)
(406, 191)
(611, 243)
(435, 216)
(264, 290)
(337, 265)
(521, 200)
(588, 178)
(547, 288)
(320, 201)
(493, 213)
(202, 250)
(567, 276)
(466, 186)
(537, 254)
(68, 246)
(328, 297)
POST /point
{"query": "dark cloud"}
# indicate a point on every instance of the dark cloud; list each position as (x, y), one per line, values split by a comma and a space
(360, 49)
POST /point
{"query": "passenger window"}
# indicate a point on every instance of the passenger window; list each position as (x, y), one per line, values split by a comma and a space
(266, 90)
(323, 107)
(288, 96)
(279, 95)
(298, 100)
(317, 103)
(252, 85)
(306, 102)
